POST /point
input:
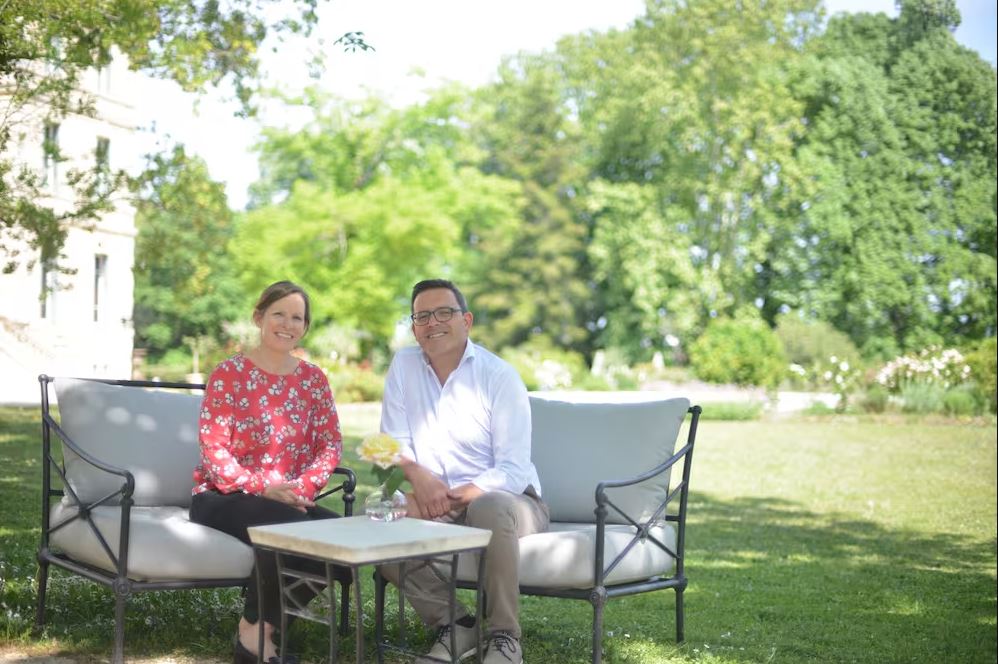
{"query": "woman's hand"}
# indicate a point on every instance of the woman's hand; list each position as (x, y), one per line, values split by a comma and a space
(285, 493)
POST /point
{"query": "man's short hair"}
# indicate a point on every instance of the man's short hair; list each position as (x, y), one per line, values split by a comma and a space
(431, 284)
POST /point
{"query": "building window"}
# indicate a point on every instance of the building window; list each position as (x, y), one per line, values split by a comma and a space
(103, 153)
(100, 286)
(103, 163)
(50, 151)
(104, 80)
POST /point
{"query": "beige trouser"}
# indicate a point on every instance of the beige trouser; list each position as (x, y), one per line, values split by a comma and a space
(509, 516)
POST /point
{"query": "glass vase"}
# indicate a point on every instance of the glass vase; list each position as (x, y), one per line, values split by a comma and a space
(383, 507)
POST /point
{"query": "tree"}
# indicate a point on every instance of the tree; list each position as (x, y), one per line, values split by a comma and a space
(921, 18)
(530, 280)
(347, 146)
(693, 105)
(894, 242)
(851, 255)
(946, 100)
(375, 198)
(360, 252)
(339, 150)
(184, 282)
(649, 288)
(46, 46)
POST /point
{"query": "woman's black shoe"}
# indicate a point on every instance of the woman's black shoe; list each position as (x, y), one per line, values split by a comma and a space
(244, 656)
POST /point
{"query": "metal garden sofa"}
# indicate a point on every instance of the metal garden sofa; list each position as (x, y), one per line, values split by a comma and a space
(618, 513)
(117, 512)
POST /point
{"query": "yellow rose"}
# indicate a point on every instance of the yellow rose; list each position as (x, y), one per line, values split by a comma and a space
(380, 449)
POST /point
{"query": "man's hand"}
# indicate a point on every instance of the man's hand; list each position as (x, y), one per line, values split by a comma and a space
(285, 493)
(461, 496)
(430, 491)
(412, 508)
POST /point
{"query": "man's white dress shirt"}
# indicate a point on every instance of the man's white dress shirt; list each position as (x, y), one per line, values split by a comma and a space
(475, 428)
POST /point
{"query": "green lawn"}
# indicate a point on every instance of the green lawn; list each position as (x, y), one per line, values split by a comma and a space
(832, 539)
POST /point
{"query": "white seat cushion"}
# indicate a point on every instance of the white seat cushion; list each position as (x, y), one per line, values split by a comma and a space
(565, 555)
(164, 545)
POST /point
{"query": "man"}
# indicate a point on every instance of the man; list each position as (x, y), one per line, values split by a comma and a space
(463, 418)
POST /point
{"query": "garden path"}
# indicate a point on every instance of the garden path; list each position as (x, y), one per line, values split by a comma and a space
(706, 393)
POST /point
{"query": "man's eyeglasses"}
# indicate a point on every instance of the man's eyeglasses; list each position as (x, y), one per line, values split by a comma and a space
(442, 314)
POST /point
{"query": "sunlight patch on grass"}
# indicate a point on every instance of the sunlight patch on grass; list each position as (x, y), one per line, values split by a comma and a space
(795, 558)
(728, 564)
(907, 606)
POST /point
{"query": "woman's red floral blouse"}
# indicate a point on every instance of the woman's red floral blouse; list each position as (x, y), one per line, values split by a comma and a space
(260, 429)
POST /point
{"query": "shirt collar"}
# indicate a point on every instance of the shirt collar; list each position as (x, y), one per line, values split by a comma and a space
(469, 352)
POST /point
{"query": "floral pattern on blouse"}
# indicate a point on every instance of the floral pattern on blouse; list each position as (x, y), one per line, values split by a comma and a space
(258, 429)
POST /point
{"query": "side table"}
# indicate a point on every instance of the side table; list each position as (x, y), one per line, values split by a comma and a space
(356, 541)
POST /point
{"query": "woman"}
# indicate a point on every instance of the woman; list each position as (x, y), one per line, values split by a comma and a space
(270, 438)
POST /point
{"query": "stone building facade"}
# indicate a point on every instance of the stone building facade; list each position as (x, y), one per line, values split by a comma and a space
(83, 326)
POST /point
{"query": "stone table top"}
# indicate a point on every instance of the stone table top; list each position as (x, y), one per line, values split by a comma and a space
(360, 540)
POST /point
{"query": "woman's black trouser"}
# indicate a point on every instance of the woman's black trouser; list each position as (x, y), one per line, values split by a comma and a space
(233, 513)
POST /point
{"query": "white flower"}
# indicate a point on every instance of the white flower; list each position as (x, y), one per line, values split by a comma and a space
(551, 375)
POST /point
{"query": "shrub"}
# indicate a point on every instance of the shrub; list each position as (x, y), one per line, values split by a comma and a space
(922, 398)
(731, 411)
(174, 364)
(875, 400)
(819, 408)
(740, 351)
(354, 384)
(648, 371)
(542, 366)
(943, 368)
(984, 372)
(611, 369)
(335, 343)
(807, 342)
(961, 401)
(838, 376)
(593, 383)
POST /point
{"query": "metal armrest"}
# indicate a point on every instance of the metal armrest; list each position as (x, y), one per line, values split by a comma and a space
(603, 501)
(347, 486)
(643, 530)
(126, 490)
(120, 561)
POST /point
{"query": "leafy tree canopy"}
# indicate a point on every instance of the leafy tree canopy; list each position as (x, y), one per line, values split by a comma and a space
(184, 282)
(46, 46)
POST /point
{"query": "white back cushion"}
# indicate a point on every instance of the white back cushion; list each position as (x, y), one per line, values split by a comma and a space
(153, 434)
(575, 445)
